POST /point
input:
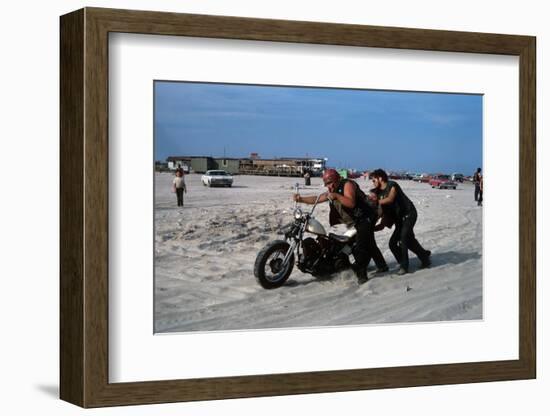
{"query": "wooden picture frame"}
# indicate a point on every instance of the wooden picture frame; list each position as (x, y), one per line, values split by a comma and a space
(84, 207)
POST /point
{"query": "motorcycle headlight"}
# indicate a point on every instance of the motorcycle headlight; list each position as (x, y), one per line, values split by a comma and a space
(298, 214)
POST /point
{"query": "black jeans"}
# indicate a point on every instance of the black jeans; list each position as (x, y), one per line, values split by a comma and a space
(477, 193)
(403, 240)
(365, 247)
(179, 194)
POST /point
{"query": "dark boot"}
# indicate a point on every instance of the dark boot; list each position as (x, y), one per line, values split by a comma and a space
(426, 261)
(379, 271)
(361, 273)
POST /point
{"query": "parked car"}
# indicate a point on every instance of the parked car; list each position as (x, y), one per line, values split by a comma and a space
(217, 178)
(421, 177)
(457, 177)
(353, 174)
(394, 175)
(442, 182)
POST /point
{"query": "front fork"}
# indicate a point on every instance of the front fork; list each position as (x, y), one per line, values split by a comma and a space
(295, 241)
(289, 252)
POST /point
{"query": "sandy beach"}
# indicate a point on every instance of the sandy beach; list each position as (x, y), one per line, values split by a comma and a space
(205, 253)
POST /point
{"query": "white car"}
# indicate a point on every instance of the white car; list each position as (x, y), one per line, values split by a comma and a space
(217, 178)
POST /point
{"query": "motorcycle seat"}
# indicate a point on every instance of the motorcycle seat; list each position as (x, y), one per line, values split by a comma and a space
(339, 238)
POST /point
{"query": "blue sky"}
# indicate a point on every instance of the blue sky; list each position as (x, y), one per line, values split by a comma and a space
(359, 129)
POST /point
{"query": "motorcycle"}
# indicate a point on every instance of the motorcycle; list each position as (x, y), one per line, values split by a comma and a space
(320, 255)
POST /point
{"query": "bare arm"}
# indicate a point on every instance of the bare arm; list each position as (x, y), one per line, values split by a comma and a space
(310, 199)
(348, 198)
(389, 199)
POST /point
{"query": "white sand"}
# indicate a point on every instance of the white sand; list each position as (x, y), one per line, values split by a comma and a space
(205, 253)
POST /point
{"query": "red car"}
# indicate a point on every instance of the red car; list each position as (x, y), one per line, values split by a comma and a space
(442, 182)
(421, 177)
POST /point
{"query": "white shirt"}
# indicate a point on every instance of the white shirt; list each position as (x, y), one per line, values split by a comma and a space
(179, 182)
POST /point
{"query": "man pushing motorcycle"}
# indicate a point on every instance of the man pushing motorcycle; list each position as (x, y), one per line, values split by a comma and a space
(349, 205)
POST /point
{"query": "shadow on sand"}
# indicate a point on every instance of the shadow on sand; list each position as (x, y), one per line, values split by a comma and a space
(438, 259)
(452, 257)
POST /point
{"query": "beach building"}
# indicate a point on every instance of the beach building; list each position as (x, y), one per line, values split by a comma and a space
(230, 165)
(174, 161)
(200, 164)
(253, 165)
(282, 166)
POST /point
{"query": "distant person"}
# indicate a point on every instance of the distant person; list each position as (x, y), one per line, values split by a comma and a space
(392, 198)
(179, 186)
(477, 184)
(480, 199)
(307, 178)
(348, 205)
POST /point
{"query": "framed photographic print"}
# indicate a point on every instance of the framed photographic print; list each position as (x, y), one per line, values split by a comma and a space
(255, 207)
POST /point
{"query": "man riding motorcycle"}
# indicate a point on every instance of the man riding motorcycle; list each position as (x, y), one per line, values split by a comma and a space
(349, 205)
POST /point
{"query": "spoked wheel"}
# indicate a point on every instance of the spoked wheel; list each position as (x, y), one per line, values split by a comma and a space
(269, 269)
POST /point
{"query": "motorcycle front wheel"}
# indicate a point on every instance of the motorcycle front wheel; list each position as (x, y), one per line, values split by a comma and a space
(268, 268)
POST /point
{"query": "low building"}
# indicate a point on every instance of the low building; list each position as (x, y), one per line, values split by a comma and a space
(174, 162)
(287, 166)
(283, 166)
(200, 164)
(197, 164)
(230, 165)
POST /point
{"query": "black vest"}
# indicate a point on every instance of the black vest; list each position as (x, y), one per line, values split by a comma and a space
(401, 206)
(362, 211)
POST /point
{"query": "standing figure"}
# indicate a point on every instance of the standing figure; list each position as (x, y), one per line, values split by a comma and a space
(179, 185)
(307, 178)
(480, 199)
(478, 193)
(403, 212)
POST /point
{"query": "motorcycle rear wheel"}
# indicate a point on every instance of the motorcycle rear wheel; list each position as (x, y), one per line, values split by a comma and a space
(268, 268)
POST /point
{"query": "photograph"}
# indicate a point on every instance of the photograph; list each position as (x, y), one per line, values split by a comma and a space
(283, 206)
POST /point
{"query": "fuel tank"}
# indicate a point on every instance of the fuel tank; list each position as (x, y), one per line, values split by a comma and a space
(315, 227)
